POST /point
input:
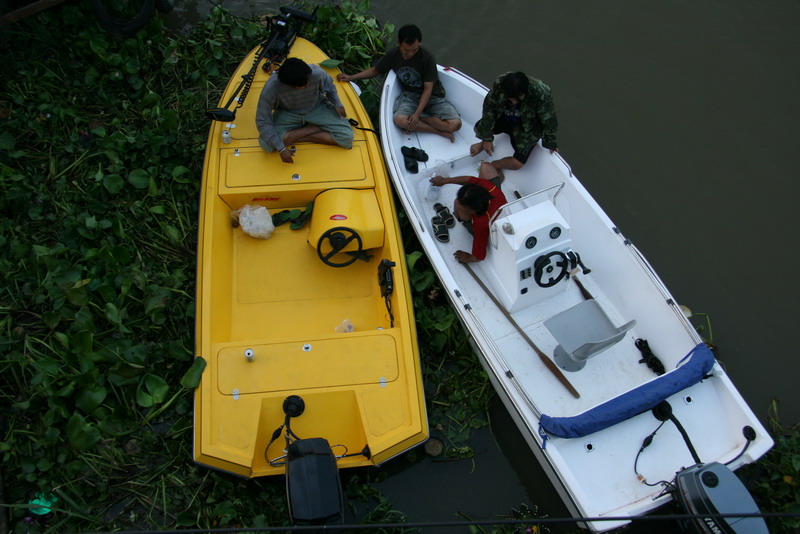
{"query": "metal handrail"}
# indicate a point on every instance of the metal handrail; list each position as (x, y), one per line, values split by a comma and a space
(496, 214)
(565, 163)
(493, 227)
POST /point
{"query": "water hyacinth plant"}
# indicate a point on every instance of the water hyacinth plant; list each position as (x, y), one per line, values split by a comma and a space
(101, 149)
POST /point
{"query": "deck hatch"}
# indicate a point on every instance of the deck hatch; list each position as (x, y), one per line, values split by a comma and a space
(339, 360)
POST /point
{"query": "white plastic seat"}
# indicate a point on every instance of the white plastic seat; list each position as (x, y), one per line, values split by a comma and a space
(583, 331)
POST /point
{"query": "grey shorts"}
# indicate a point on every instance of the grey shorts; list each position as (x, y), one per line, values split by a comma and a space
(406, 104)
(325, 117)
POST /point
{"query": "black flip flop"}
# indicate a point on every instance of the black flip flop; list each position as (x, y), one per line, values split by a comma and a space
(411, 165)
(443, 212)
(285, 216)
(301, 219)
(440, 229)
(414, 153)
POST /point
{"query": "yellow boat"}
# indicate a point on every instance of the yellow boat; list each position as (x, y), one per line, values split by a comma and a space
(268, 309)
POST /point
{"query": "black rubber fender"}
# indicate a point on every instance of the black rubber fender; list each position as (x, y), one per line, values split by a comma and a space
(117, 26)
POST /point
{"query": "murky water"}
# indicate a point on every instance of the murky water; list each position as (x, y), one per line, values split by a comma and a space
(681, 119)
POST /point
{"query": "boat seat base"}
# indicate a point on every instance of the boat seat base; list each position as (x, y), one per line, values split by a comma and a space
(583, 331)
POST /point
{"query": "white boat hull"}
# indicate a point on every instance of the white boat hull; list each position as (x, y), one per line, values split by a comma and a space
(594, 473)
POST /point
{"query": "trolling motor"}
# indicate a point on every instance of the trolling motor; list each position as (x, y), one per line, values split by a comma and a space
(710, 488)
(313, 488)
(283, 32)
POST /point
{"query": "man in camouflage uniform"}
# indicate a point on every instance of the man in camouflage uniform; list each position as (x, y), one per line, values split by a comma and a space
(521, 107)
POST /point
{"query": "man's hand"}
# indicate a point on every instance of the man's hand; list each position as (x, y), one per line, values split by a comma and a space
(413, 121)
(342, 77)
(464, 257)
(477, 148)
(342, 113)
(286, 155)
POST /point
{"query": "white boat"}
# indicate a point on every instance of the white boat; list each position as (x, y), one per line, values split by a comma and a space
(587, 411)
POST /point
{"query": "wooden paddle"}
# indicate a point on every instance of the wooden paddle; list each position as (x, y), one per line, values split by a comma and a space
(584, 291)
(542, 356)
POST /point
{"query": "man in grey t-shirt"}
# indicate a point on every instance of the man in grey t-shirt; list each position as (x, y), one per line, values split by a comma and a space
(300, 104)
(421, 106)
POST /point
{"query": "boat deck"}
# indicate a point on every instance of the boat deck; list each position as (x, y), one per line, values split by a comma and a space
(280, 286)
(617, 368)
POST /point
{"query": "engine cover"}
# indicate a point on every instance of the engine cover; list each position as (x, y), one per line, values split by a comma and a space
(312, 483)
(715, 489)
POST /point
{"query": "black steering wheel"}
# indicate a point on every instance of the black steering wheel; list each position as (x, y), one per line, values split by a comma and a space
(339, 237)
(543, 265)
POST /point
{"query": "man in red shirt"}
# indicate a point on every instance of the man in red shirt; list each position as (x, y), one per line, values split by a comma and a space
(477, 200)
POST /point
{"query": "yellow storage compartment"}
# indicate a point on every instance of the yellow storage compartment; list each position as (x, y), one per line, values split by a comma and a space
(351, 209)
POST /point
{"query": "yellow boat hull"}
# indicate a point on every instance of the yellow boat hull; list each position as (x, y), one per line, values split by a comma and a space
(267, 309)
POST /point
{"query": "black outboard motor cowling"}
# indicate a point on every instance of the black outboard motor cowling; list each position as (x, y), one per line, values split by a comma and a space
(313, 487)
(713, 488)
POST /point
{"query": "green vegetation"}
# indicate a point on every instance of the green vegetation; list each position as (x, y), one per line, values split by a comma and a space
(101, 149)
(775, 479)
(102, 144)
(346, 32)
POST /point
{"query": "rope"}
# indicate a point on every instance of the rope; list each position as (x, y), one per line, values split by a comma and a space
(445, 524)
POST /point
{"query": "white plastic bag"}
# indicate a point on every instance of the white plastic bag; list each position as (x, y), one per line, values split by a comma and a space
(437, 168)
(432, 192)
(344, 327)
(254, 220)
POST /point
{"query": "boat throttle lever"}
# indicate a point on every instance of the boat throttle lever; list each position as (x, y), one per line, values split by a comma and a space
(575, 261)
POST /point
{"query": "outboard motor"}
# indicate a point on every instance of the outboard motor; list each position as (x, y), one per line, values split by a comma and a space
(714, 489)
(283, 32)
(313, 488)
(710, 488)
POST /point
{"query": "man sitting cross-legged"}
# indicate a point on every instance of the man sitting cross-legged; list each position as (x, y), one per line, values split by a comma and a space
(300, 104)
